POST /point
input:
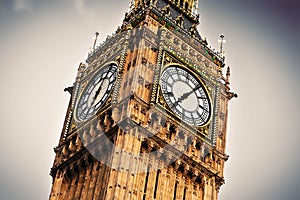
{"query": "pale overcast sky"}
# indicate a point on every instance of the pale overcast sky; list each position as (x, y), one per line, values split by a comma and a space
(43, 42)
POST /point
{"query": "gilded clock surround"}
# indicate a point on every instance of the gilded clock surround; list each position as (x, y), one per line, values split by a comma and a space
(185, 95)
(206, 130)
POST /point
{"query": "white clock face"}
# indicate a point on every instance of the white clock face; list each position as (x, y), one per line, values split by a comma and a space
(185, 95)
(96, 92)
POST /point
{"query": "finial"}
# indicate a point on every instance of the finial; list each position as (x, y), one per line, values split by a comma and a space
(166, 10)
(193, 29)
(179, 20)
(96, 38)
(227, 80)
(128, 27)
(204, 42)
(230, 94)
(228, 71)
(131, 5)
(222, 42)
(81, 67)
(227, 77)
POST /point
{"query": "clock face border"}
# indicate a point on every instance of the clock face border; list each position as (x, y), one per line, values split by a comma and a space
(85, 86)
(197, 78)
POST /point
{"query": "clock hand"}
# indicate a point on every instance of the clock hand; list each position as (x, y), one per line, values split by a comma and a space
(98, 91)
(187, 94)
(100, 87)
(202, 108)
(184, 96)
(169, 93)
(96, 94)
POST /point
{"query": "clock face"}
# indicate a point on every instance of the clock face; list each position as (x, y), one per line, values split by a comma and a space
(185, 95)
(96, 92)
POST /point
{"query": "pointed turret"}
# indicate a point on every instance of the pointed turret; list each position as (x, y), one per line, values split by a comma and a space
(227, 84)
(227, 80)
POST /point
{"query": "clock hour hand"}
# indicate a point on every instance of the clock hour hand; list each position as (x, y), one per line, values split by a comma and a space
(203, 108)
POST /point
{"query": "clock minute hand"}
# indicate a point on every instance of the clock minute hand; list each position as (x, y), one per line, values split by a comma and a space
(96, 94)
(184, 96)
(187, 94)
(100, 87)
(98, 91)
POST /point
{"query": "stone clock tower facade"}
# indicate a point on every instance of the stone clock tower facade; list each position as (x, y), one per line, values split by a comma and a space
(148, 112)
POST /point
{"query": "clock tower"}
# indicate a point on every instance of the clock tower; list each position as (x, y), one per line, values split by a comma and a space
(148, 112)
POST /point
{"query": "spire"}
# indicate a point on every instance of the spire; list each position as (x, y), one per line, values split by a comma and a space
(95, 41)
(228, 77)
(227, 83)
(221, 41)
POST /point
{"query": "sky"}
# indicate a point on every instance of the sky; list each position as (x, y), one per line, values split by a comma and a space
(43, 42)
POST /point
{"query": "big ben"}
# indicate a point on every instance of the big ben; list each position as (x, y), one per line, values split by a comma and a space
(148, 112)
